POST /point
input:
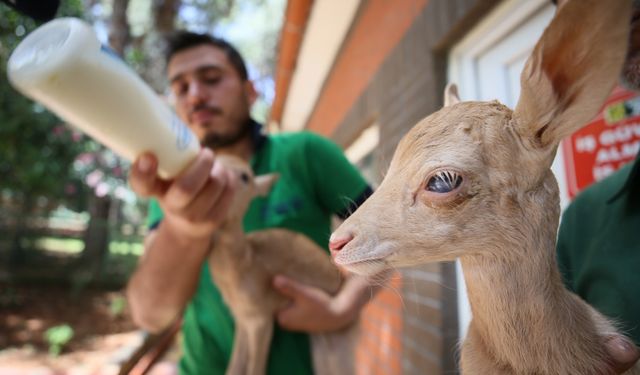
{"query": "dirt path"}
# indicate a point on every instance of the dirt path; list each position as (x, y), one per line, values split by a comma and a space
(103, 333)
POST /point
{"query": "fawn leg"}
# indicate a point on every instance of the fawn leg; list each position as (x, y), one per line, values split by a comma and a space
(240, 353)
(259, 332)
(333, 352)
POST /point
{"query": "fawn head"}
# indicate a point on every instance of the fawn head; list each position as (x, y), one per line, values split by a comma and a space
(250, 186)
(475, 176)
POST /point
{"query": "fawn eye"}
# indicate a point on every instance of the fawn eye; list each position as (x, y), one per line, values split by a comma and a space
(444, 182)
(244, 177)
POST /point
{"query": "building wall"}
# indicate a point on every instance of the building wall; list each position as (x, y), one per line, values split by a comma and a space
(379, 26)
(406, 87)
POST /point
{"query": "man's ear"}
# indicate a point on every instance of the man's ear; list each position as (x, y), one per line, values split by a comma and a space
(264, 183)
(451, 96)
(572, 69)
(250, 92)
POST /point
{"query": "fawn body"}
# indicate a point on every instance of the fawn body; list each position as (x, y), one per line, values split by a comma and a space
(243, 266)
(473, 181)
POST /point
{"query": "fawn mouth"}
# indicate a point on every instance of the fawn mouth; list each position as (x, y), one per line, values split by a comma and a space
(365, 267)
(365, 258)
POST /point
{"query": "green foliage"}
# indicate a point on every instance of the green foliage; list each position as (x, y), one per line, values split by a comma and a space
(117, 305)
(57, 337)
(36, 149)
(41, 159)
(206, 13)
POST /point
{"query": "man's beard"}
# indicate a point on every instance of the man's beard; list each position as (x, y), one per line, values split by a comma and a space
(215, 141)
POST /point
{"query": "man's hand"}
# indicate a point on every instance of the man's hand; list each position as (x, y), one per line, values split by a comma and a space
(622, 352)
(313, 310)
(195, 202)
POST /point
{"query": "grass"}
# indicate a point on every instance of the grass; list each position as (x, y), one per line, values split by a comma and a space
(75, 246)
(61, 245)
(125, 248)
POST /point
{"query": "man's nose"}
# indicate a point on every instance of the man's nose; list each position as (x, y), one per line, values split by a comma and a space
(196, 92)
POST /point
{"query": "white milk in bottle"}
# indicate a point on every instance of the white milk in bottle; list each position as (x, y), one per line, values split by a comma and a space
(62, 65)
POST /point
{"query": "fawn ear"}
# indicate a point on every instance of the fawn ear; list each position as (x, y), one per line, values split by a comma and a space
(572, 69)
(451, 95)
(264, 183)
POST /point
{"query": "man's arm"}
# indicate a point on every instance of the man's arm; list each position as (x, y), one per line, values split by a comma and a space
(194, 204)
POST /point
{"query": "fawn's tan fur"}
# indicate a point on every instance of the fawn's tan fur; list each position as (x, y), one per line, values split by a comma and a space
(502, 219)
(243, 266)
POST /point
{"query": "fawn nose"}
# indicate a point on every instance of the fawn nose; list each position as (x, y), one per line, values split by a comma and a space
(336, 243)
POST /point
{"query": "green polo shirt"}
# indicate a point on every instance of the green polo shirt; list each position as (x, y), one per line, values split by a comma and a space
(599, 247)
(316, 181)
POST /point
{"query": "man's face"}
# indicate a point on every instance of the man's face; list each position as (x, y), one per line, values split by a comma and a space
(209, 95)
(630, 75)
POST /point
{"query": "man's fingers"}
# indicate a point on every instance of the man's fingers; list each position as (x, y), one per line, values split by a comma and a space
(213, 199)
(623, 353)
(220, 208)
(143, 175)
(293, 289)
(286, 286)
(188, 184)
(285, 316)
(296, 290)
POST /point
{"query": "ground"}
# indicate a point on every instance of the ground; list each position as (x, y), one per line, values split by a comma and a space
(104, 334)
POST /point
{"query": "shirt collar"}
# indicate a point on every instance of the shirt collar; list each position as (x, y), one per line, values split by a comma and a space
(258, 136)
(632, 183)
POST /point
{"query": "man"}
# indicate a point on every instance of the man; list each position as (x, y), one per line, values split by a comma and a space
(598, 243)
(212, 94)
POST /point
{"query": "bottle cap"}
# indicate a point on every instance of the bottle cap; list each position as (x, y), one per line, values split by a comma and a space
(45, 50)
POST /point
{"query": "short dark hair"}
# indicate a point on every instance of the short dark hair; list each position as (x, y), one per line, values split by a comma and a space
(181, 40)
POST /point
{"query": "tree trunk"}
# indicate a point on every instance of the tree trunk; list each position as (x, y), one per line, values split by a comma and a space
(119, 35)
(17, 254)
(96, 238)
(164, 23)
(164, 15)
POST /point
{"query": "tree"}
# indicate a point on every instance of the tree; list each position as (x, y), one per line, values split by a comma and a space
(36, 152)
(43, 163)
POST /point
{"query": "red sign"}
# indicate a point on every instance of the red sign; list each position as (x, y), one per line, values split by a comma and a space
(608, 142)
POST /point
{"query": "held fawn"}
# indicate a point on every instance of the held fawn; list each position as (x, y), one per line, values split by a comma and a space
(243, 266)
(473, 181)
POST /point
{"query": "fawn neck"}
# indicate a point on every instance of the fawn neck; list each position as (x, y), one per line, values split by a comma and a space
(230, 240)
(514, 299)
(517, 296)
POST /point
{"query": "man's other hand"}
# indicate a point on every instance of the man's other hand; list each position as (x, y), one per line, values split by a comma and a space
(311, 309)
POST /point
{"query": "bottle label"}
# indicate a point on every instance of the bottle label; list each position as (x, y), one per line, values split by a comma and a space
(111, 53)
(183, 134)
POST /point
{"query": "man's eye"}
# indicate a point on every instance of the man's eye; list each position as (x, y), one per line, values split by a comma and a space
(212, 80)
(444, 182)
(180, 89)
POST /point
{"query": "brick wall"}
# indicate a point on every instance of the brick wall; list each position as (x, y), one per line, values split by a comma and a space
(379, 348)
